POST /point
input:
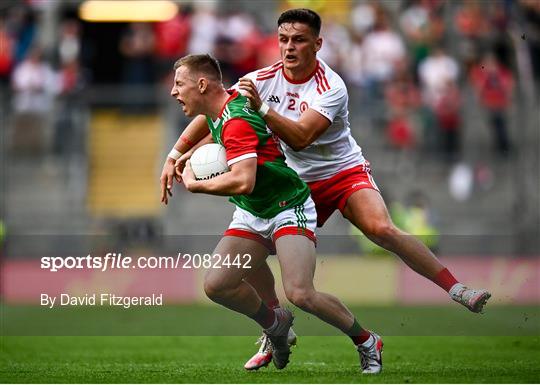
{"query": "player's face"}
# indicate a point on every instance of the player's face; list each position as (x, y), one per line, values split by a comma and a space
(298, 45)
(186, 91)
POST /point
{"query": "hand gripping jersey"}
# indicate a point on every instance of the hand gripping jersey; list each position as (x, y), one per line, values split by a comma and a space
(325, 92)
(244, 135)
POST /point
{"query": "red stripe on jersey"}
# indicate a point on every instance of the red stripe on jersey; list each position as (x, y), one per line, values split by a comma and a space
(268, 75)
(272, 67)
(322, 83)
(325, 81)
(320, 86)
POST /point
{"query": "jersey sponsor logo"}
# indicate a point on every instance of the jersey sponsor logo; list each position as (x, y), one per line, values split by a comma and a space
(282, 203)
(293, 94)
(273, 99)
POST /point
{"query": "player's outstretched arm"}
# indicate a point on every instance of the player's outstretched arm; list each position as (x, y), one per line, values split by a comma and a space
(195, 131)
(297, 134)
(181, 162)
(239, 181)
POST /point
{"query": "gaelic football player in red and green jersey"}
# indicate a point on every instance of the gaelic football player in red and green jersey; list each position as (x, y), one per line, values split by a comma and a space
(274, 209)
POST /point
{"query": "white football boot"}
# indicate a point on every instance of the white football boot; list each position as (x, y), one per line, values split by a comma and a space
(264, 356)
(472, 299)
(371, 354)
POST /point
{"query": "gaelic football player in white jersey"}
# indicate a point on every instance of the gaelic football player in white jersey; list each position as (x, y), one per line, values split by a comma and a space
(305, 104)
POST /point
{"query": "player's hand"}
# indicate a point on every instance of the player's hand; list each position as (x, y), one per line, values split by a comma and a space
(249, 90)
(180, 164)
(188, 177)
(166, 180)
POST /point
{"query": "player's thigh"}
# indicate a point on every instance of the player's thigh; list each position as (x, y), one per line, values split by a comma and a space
(224, 275)
(297, 260)
(366, 210)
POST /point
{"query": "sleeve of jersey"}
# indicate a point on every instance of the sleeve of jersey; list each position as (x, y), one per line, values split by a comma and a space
(240, 140)
(331, 102)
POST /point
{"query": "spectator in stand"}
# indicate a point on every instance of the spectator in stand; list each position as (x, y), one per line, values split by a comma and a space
(402, 99)
(335, 50)
(71, 82)
(172, 38)
(423, 27)
(448, 117)
(203, 37)
(493, 84)
(237, 44)
(382, 50)
(137, 46)
(472, 24)
(35, 85)
(21, 24)
(438, 75)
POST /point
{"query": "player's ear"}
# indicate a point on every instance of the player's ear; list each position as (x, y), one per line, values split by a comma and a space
(318, 44)
(202, 84)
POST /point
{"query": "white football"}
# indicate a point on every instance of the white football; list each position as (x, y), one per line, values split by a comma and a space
(209, 161)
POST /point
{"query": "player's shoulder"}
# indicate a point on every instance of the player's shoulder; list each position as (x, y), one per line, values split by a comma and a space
(328, 80)
(331, 76)
(268, 72)
(239, 108)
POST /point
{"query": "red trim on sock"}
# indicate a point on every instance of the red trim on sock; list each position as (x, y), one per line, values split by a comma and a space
(445, 279)
(363, 337)
(273, 303)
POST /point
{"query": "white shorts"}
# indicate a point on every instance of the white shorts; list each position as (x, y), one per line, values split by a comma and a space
(298, 220)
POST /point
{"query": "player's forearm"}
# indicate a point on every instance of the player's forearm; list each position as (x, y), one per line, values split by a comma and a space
(295, 134)
(195, 131)
(225, 185)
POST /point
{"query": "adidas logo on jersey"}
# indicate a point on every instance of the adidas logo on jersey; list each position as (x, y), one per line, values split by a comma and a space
(273, 99)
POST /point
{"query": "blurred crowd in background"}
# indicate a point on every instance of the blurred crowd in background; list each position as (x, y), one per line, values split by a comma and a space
(408, 65)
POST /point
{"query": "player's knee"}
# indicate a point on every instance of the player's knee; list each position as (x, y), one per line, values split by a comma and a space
(301, 297)
(382, 232)
(213, 289)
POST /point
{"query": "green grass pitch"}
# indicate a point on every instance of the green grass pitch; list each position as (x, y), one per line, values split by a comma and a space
(316, 359)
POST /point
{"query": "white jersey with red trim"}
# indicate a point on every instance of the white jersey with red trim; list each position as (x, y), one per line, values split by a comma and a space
(325, 92)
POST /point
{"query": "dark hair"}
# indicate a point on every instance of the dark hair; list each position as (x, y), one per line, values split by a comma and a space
(304, 16)
(205, 64)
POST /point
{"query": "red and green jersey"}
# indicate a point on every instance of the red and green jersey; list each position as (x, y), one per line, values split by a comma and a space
(244, 135)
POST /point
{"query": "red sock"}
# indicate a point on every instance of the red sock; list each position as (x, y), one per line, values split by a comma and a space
(358, 334)
(445, 279)
(272, 304)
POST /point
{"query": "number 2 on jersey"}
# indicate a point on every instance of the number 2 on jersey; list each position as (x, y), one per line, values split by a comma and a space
(292, 103)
